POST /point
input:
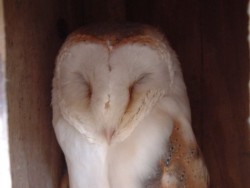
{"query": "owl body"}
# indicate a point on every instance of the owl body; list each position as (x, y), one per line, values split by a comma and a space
(119, 106)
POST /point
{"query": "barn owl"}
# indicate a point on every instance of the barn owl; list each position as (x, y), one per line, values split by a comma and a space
(121, 113)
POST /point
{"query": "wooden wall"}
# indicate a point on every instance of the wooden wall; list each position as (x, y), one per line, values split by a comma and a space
(35, 30)
(225, 93)
(210, 38)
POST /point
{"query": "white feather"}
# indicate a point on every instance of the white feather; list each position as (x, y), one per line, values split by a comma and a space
(113, 137)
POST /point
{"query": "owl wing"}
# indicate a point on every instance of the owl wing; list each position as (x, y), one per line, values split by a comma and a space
(183, 166)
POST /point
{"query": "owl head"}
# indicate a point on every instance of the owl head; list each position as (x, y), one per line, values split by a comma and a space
(109, 77)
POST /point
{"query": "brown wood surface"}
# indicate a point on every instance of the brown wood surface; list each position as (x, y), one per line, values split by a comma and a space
(5, 174)
(225, 92)
(104, 11)
(35, 30)
(210, 38)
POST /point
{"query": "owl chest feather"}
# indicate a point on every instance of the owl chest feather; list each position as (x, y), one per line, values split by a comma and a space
(129, 163)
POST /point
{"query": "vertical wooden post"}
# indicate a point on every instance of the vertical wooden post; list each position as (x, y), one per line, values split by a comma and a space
(32, 42)
(5, 178)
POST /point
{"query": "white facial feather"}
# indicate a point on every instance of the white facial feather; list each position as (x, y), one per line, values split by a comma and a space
(117, 96)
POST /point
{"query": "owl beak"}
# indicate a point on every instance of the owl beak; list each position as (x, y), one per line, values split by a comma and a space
(109, 134)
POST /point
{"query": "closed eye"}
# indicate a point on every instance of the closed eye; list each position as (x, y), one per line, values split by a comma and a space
(82, 81)
(141, 79)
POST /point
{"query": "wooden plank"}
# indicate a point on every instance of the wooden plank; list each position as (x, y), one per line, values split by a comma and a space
(5, 173)
(225, 93)
(34, 35)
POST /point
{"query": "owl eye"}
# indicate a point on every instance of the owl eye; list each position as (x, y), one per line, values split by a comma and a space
(82, 82)
(132, 88)
(142, 78)
(139, 81)
(89, 91)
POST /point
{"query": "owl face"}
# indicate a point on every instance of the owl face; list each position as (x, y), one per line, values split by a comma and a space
(103, 83)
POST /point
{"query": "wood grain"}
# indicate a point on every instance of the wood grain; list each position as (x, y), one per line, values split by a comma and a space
(225, 93)
(33, 39)
(104, 11)
(5, 174)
